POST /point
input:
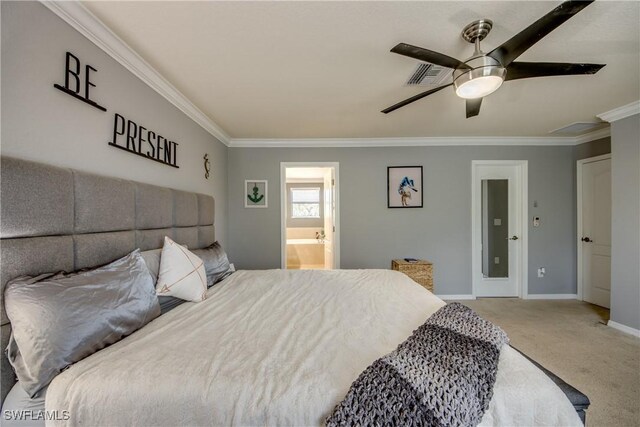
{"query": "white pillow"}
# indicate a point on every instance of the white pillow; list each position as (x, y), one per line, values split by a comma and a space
(182, 274)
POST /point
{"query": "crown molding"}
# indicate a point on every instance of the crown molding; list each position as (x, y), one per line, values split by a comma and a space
(620, 112)
(445, 141)
(81, 19)
(592, 136)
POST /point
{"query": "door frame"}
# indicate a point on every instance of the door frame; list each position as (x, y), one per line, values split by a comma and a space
(283, 208)
(523, 208)
(579, 171)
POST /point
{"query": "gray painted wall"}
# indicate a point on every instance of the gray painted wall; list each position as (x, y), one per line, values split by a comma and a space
(593, 148)
(372, 235)
(625, 219)
(43, 124)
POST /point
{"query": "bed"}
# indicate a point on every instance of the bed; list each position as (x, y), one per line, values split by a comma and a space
(270, 347)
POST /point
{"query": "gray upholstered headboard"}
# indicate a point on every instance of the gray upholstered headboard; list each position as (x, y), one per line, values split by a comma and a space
(54, 219)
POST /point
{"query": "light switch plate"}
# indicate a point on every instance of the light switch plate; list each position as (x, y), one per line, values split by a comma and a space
(497, 221)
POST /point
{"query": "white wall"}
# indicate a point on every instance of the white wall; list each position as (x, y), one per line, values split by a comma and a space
(625, 221)
(43, 124)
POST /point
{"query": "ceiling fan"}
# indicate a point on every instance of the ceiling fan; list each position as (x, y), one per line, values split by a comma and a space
(483, 73)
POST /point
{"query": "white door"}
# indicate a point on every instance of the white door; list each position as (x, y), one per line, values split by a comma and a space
(497, 227)
(329, 215)
(595, 236)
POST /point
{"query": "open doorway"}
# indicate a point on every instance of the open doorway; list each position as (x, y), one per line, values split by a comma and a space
(309, 216)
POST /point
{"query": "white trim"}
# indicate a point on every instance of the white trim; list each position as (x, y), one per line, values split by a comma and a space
(418, 141)
(524, 180)
(456, 297)
(283, 216)
(594, 159)
(592, 136)
(551, 296)
(283, 208)
(81, 19)
(523, 170)
(579, 165)
(624, 328)
(599, 125)
(620, 112)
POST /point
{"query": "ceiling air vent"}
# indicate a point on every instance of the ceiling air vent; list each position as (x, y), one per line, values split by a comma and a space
(579, 128)
(428, 75)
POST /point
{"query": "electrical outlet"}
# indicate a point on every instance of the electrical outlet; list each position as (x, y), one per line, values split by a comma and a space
(536, 221)
(496, 260)
(541, 272)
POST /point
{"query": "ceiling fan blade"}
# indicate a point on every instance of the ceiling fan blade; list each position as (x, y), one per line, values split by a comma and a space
(524, 70)
(428, 56)
(473, 107)
(413, 99)
(515, 46)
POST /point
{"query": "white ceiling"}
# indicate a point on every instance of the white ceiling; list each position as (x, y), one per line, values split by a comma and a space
(324, 70)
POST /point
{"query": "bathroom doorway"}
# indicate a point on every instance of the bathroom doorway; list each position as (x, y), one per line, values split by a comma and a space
(309, 216)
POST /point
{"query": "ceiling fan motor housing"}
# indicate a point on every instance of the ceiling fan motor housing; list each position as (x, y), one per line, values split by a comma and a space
(484, 70)
(477, 30)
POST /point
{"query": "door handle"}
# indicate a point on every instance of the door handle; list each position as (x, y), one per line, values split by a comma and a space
(512, 238)
(586, 240)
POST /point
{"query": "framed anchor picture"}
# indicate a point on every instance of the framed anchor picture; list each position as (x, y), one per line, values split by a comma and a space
(255, 193)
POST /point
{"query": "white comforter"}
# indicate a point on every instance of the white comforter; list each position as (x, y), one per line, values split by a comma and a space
(275, 348)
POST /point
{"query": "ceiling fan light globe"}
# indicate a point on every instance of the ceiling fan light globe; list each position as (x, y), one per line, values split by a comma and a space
(479, 82)
(479, 87)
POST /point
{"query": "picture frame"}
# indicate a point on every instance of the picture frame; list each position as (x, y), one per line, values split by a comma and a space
(256, 193)
(404, 187)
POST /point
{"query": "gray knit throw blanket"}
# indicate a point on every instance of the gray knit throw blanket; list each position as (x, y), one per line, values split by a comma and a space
(442, 375)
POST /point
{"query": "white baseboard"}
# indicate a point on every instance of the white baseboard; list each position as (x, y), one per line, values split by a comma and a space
(624, 328)
(551, 296)
(456, 297)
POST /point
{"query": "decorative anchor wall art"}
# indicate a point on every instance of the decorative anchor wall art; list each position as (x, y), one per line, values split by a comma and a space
(255, 193)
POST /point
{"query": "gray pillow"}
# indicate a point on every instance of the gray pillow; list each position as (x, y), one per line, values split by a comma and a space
(152, 260)
(60, 319)
(216, 263)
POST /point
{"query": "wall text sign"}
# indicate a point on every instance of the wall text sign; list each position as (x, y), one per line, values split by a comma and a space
(136, 139)
(75, 81)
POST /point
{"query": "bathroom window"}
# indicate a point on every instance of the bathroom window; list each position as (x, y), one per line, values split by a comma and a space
(305, 202)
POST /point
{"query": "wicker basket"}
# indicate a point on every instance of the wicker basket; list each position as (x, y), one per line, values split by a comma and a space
(421, 271)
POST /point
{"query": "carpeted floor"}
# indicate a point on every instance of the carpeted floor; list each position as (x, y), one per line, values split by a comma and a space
(570, 338)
